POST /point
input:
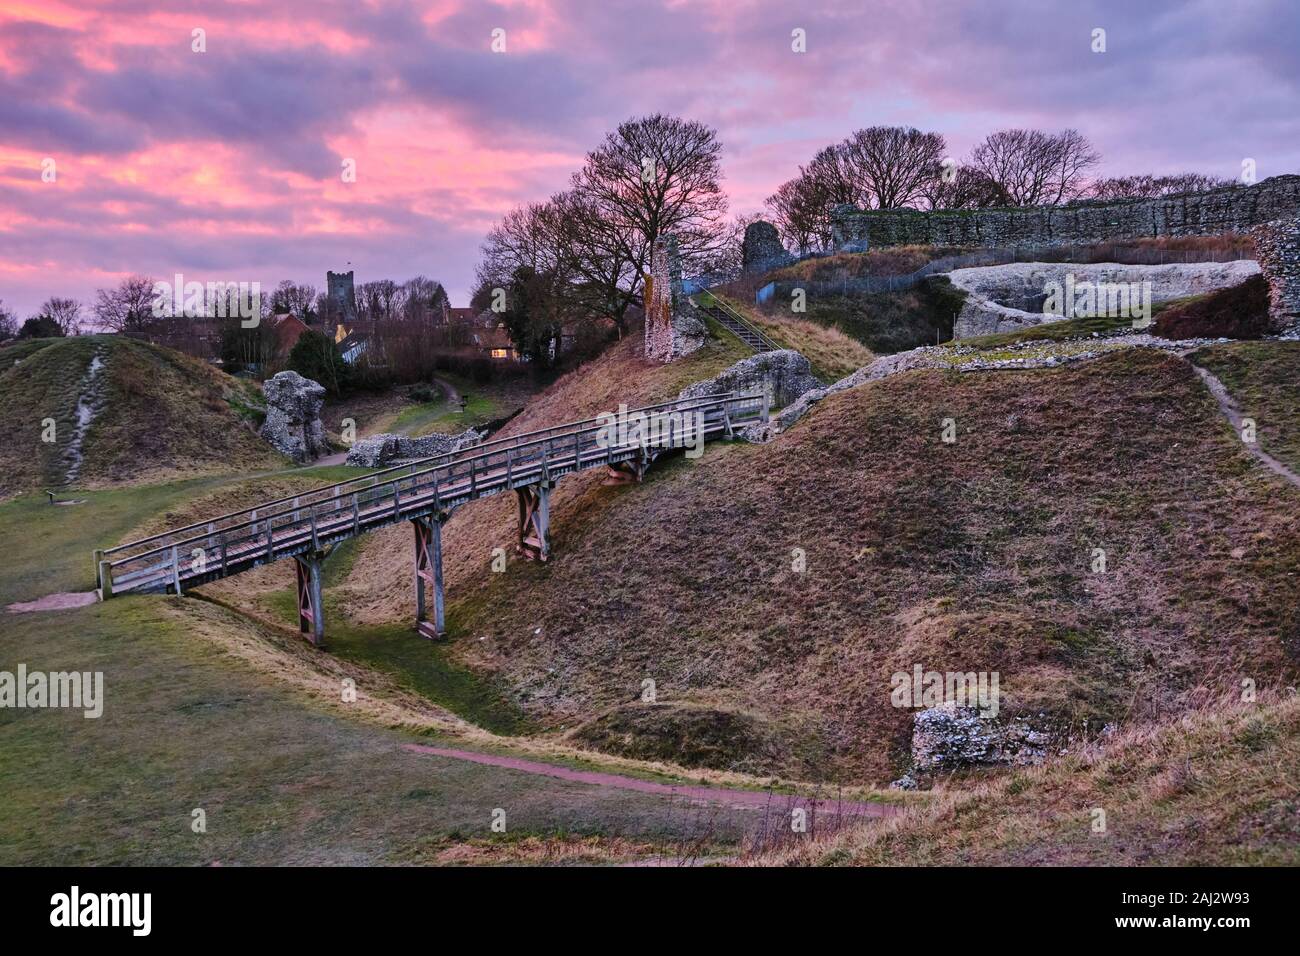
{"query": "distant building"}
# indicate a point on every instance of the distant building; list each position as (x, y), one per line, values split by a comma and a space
(288, 329)
(353, 346)
(341, 295)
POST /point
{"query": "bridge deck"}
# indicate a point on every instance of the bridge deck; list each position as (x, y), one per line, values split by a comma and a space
(432, 487)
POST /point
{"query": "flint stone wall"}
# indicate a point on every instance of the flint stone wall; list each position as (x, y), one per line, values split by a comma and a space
(1267, 210)
(784, 374)
(1277, 246)
(671, 327)
(761, 251)
(293, 424)
(949, 737)
(378, 451)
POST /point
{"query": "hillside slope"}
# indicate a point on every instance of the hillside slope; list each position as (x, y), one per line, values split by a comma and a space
(148, 413)
(1215, 788)
(968, 556)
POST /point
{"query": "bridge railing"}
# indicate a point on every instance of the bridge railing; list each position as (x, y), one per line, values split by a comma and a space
(290, 524)
(348, 486)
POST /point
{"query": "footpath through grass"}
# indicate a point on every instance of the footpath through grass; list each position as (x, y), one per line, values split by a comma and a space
(279, 779)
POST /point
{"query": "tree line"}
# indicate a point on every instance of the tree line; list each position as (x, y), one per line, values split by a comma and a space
(892, 167)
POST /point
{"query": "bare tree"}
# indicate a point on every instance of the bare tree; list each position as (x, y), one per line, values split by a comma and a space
(8, 322)
(596, 256)
(66, 313)
(963, 187)
(295, 299)
(836, 176)
(892, 165)
(1034, 168)
(801, 210)
(1150, 187)
(653, 176)
(128, 308)
(525, 236)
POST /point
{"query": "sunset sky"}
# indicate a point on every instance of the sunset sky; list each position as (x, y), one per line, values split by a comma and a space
(226, 165)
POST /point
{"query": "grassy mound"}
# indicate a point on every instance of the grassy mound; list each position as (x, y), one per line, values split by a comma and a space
(964, 557)
(719, 738)
(153, 413)
(832, 353)
(1237, 312)
(1213, 788)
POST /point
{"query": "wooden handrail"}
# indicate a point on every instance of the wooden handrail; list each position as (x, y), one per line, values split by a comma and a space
(702, 402)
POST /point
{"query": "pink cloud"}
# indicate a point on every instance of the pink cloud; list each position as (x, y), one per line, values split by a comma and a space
(226, 164)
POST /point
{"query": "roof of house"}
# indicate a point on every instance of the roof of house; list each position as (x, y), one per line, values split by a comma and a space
(288, 329)
(496, 337)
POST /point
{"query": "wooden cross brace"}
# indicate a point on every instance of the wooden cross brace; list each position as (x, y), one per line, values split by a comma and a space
(535, 520)
(428, 570)
(311, 610)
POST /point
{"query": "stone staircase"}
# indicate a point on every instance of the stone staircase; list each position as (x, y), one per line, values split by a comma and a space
(738, 326)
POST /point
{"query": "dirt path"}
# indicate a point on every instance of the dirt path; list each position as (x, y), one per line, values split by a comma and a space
(732, 799)
(55, 602)
(448, 389)
(1230, 408)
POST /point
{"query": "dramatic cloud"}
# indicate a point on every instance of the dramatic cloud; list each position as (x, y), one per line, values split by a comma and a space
(227, 164)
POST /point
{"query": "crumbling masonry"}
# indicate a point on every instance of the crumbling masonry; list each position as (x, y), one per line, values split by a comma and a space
(1267, 211)
(671, 327)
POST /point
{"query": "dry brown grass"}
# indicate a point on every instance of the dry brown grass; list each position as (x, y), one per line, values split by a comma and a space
(1217, 786)
(971, 556)
(832, 353)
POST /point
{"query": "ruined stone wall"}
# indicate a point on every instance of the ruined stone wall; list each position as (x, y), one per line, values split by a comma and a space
(1267, 210)
(671, 328)
(1228, 209)
(1277, 247)
(761, 250)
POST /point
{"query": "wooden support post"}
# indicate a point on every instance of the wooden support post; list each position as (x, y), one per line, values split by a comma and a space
(311, 612)
(105, 580)
(428, 569)
(535, 520)
(176, 570)
(629, 472)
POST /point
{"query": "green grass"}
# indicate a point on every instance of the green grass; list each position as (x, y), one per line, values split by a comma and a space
(47, 548)
(187, 727)
(159, 414)
(1264, 378)
(282, 780)
(1052, 332)
(420, 665)
(442, 416)
(887, 322)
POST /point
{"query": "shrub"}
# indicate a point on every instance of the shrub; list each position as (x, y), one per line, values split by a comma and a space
(1237, 312)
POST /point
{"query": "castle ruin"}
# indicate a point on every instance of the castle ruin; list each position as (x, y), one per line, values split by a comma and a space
(671, 327)
(1268, 211)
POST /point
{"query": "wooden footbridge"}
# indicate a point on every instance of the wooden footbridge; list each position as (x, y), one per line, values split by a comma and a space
(423, 492)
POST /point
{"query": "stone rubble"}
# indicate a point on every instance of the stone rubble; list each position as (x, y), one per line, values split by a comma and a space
(379, 451)
(784, 374)
(949, 737)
